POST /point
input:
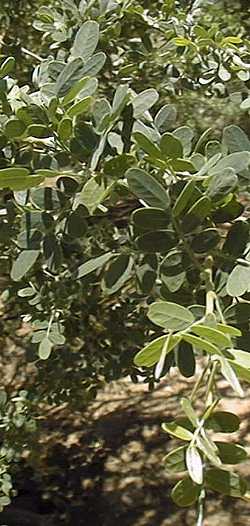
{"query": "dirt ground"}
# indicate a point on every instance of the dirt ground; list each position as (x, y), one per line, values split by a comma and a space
(104, 467)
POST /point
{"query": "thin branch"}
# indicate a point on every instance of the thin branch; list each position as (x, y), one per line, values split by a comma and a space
(31, 54)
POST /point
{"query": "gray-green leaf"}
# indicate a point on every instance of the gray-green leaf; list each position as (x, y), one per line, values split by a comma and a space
(93, 264)
(23, 264)
(169, 315)
(86, 40)
(145, 187)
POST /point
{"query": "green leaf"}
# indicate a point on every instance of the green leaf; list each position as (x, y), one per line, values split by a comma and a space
(183, 198)
(45, 172)
(7, 66)
(118, 273)
(160, 366)
(229, 374)
(205, 241)
(144, 101)
(77, 225)
(118, 165)
(223, 73)
(145, 187)
(208, 166)
(23, 264)
(27, 292)
(241, 372)
(182, 42)
(38, 130)
(151, 354)
(150, 218)
(79, 107)
(200, 209)
(165, 118)
(213, 335)
(147, 145)
(183, 165)
(99, 151)
(14, 128)
(68, 77)
(225, 482)
(52, 251)
(199, 343)
(173, 283)
(101, 109)
(231, 453)
(238, 313)
(92, 194)
(175, 460)
(170, 146)
(238, 281)
(203, 138)
(73, 92)
(228, 211)
(185, 359)
(228, 329)
(94, 64)
(235, 139)
(86, 40)
(221, 184)
(185, 493)
(241, 358)
(205, 444)
(56, 338)
(120, 99)
(10, 173)
(87, 139)
(146, 273)
(237, 238)
(223, 422)
(4, 500)
(239, 161)
(212, 148)
(156, 241)
(185, 135)
(65, 129)
(170, 316)
(194, 464)
(45, 348)
(93, 264)
(189, 411)
(174, 429)
(172, 264)
(245, 105)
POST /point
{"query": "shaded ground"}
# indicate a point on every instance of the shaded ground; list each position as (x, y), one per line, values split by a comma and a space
(106, 465)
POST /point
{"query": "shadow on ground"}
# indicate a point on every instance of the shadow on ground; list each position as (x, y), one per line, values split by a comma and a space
(105, 467)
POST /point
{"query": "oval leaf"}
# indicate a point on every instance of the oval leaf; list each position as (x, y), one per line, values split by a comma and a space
(194, 464)
(93, 264)
(23, 264)
(185, 493)
(145, 187)
(170, 315)
(86, 40)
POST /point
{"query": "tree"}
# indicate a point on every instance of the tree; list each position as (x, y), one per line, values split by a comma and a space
(111, 211)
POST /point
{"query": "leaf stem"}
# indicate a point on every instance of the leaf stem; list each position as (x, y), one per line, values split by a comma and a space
(199, 382)
(211, 381)
(201, 506)
(31, 54)
(50, 323)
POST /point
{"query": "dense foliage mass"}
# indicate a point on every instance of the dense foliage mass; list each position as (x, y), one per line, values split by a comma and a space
(124, 226)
